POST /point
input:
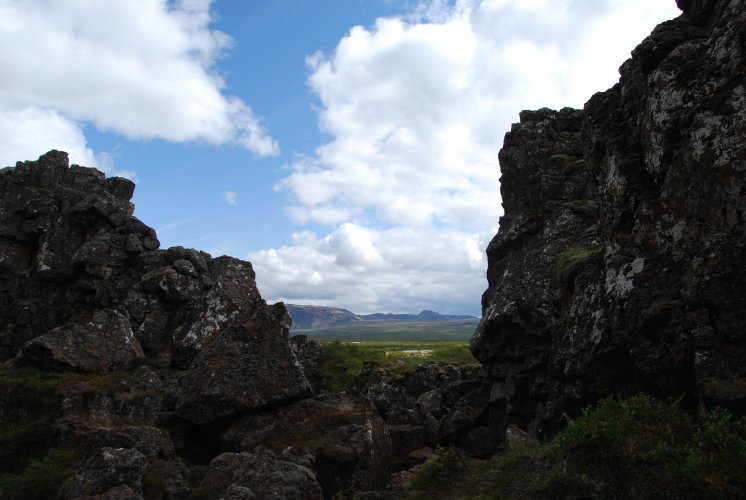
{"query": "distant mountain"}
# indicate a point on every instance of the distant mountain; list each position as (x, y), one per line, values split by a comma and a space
(423, 316)
(305, 316)
(319, 316)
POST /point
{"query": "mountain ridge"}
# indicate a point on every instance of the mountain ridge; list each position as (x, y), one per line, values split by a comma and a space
(307, 316)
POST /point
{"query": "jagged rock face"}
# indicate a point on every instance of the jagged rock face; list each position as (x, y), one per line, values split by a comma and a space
(620, 263)
(436, 404)
(340, 436)
(136, 360)
(83, 286)
(258, 475)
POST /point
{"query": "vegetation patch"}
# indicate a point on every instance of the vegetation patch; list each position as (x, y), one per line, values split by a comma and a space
(343, 361)
(575, 254)
(571, 261)
(641, 447)
(625, 448)
(30, 402)
(396, 331)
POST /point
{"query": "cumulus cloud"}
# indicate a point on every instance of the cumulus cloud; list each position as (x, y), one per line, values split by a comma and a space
(375, 270)
(416, 107)
(231, 198)
(27, 133)
(142, 69)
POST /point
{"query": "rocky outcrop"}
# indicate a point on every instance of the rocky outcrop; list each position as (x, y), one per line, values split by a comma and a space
(240, 476)
(340, 437)
(620, 263)
(437, 404)
(136, 360)
(84, 287)
(309, 352)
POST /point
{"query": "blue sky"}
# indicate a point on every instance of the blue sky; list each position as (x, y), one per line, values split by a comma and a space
(347, 148)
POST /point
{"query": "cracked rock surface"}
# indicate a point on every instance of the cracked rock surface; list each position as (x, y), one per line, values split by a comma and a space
(620, 262)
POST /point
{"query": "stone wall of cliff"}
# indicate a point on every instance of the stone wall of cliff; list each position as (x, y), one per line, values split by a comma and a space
(141, 363)
(620, 262)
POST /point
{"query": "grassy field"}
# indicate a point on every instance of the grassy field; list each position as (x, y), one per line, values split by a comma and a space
(413, 331)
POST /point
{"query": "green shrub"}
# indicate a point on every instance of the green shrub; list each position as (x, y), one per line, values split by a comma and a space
(340, 366)
(641, 447)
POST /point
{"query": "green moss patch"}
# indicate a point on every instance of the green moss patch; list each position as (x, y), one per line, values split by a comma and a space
(572, 260)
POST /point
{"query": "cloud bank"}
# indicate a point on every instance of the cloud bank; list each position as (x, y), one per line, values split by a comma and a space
(416, 108)
(142, 69)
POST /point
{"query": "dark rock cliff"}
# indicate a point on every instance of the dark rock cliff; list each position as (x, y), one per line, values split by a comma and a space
(147, 356)
(620, 262)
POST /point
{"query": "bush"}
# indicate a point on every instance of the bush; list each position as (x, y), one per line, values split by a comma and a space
(340, 366)
(640, 447)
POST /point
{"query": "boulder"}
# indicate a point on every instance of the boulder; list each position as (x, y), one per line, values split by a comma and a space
(102, 345)
(250, 365)
(340, 436)
(436, 404)
(257, 475)
(107, 469)
(309, 352)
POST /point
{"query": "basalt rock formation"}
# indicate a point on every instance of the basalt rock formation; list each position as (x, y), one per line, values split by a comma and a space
(437, 404)
(620, 262)
(135, 360)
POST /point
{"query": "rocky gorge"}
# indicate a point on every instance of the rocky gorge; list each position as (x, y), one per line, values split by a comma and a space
(132, 371)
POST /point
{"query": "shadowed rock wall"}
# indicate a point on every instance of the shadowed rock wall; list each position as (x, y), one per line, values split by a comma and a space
(620, 262)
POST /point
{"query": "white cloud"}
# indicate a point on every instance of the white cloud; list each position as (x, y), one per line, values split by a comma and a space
(417, 108)
(143, 69)
(26, 134)
(368, 271)
(231, 198)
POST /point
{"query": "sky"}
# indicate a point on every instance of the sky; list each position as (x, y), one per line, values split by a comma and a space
(347, 148)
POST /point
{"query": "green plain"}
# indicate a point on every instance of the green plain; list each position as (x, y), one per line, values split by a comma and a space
(414, 331)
